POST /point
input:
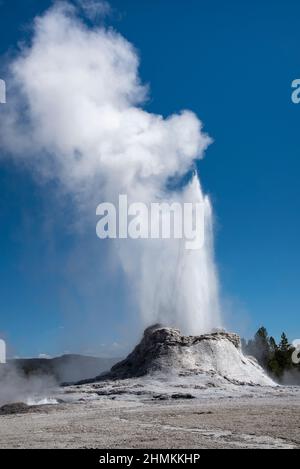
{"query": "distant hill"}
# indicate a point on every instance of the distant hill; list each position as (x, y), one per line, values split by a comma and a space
(64, 368)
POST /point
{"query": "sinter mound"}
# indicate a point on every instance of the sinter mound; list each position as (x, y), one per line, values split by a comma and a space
(164, 350)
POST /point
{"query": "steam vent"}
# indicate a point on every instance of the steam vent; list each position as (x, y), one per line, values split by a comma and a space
(164, 350)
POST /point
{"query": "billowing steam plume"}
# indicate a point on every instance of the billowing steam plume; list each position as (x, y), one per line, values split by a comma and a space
(76, 115)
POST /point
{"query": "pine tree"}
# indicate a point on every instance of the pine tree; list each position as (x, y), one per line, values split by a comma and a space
(277, 359)
(273, 364)
(284, 354)
(262, 347)
(273, 345)
(284, 345)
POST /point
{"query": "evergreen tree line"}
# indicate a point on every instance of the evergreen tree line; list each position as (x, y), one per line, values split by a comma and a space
(275, 358)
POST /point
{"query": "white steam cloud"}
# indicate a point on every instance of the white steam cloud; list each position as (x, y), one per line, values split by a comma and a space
(76, 116)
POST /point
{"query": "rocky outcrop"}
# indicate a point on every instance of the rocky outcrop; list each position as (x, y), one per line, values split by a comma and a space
(165, 350)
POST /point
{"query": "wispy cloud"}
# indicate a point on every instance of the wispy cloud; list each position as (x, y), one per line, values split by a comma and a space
(95, 9)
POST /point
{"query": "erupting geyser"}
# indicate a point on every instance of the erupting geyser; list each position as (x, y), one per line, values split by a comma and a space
(75, 115)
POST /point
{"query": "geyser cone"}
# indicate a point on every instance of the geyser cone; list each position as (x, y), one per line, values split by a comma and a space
(164, 351)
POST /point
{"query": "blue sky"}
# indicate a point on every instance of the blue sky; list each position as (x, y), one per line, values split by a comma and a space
(232, 63)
